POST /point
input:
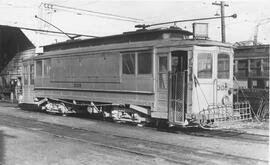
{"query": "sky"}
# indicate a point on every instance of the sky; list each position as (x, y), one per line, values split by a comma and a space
(22, 13)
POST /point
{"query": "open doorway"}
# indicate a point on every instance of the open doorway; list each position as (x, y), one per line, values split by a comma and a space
(178, 88)
(179, 61)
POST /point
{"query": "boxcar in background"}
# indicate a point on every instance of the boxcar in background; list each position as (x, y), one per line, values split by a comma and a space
(252, 74)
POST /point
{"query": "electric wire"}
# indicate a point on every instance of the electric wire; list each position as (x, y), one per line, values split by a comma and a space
(48, 31)
(50, 6)
(100, 16)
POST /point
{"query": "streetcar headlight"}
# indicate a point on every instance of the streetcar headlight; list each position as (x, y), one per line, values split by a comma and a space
(225, 100)
(230, 91)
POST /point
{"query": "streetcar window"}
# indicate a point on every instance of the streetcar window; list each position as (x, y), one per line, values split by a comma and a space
(205, 65)
(25, 74)
(128, 63)
(47, 67)
(32, 74)
(144, 62)
(39, 68)
(223, 66)
(163, 72)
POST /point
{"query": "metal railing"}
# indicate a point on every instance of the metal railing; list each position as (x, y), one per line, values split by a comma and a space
(225, 116)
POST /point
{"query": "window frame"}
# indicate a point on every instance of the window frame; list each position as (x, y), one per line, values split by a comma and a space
(122, 62)
(242, 68)
(46, 71)
(137, 62)
(255, 67)
(229, 64)
(212, 65)
(161, 73)
(36, 70)
(136, 66)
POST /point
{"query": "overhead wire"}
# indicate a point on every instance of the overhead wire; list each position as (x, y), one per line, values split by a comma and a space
(48, 31)
(104, 15)
(52, 34)
(95, 15)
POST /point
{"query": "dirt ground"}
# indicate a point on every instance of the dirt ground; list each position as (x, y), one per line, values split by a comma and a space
(25, 139)
(27, 148)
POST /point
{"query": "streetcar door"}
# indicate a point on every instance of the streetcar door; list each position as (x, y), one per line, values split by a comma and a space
(162, 84)
(177, 90)
(204, 77)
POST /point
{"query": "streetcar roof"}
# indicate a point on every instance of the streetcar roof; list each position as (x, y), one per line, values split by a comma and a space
(173, 34)
(132, 36)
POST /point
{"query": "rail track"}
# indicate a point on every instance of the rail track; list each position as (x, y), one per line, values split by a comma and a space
(174, 154)
(229, 134)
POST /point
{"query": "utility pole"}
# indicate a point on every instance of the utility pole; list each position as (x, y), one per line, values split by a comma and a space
(222, 12)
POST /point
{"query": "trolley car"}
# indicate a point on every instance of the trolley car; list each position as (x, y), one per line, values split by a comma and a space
(145, 75)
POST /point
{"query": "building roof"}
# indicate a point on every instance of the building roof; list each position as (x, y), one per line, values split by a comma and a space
(12, 41)
(255, 51)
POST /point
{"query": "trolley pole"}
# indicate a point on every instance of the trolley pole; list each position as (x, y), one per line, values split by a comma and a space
(222, 12)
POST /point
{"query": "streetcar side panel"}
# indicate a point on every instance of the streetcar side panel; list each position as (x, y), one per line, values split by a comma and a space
(112, 77)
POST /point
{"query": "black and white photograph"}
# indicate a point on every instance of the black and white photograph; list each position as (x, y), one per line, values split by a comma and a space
(134, 82)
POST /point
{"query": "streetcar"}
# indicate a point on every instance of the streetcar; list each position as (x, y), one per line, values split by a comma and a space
(148, 75)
